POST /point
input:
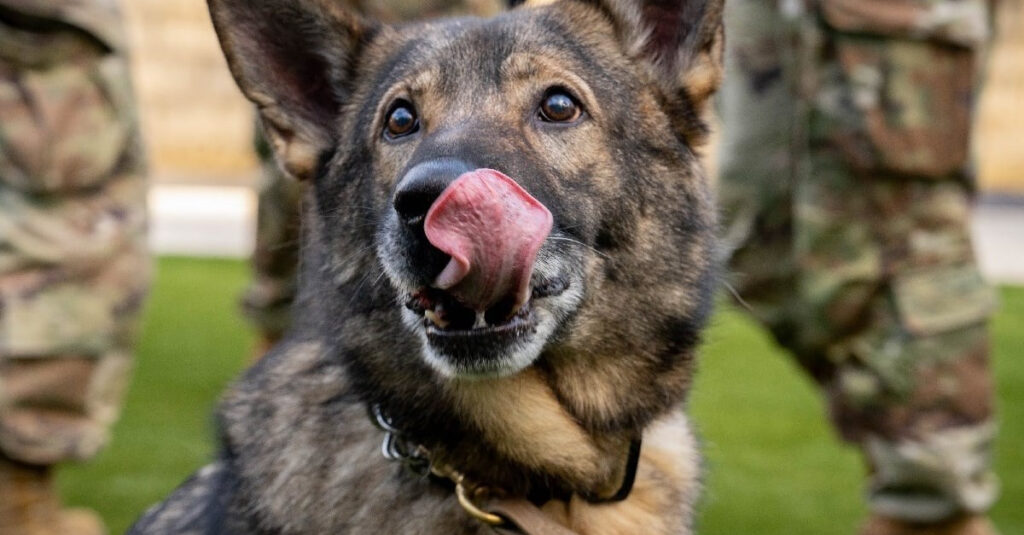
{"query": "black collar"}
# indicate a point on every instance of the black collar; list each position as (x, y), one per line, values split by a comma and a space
(398, 447)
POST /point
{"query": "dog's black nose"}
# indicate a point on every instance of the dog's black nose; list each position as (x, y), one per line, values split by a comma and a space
(423, 184)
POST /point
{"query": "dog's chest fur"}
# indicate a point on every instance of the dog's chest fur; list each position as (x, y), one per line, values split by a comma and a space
(299, 431)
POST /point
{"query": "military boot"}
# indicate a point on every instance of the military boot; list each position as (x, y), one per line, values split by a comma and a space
(29, 504)
(960, 525)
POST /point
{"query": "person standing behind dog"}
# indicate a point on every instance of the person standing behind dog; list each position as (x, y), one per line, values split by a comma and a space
(74, 268)
(268, 299)
(846, 189)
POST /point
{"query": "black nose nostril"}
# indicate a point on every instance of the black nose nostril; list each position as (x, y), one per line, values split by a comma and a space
(412, 206)
(423, 184)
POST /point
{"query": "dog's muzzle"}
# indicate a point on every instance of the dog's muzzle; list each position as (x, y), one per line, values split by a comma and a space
(489, 229)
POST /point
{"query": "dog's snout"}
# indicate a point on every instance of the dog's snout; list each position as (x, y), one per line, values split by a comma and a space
(423, 184)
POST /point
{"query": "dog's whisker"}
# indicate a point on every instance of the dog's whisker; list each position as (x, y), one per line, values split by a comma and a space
(736, 295)
(577, 242)
(358, 252)
(379, 277)
(359, 287)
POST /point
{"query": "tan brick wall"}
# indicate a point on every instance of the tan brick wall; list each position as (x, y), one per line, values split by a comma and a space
(1001, 120)
(198, 127)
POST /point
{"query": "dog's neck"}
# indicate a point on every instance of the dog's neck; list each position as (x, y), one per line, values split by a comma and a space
(520, 427)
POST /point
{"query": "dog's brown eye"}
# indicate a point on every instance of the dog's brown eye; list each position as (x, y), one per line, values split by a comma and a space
(559, 107)
(402, 120)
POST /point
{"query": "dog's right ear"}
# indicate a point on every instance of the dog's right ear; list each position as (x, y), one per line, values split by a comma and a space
(681, 43)
(293, 59)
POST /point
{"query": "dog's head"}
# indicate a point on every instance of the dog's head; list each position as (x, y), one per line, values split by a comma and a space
(493, 194)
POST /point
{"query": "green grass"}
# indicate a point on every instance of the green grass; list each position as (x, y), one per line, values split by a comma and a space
(194, 342)
(773, 465)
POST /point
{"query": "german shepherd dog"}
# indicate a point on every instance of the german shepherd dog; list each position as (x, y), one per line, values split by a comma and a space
(507, 263)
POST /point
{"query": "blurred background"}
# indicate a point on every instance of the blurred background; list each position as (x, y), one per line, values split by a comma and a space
(773, 462)
(199, 129)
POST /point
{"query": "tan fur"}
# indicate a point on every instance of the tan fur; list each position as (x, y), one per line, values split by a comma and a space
(520, 416)
(655, 503)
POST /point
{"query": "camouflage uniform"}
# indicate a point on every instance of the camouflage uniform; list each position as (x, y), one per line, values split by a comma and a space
(268, 299)
(846, 190)
(73, 262)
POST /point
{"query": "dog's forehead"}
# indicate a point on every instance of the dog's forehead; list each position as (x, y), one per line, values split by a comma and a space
(463, 51)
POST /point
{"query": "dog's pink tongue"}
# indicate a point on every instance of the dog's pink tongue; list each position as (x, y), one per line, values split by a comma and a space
(492, 228)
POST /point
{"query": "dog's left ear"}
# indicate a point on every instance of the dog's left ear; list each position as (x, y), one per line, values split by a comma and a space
(681, 42)
(293, 59)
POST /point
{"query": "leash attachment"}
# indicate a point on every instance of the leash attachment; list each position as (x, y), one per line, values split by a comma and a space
(471, 508)
(416, 458)
(395, 447)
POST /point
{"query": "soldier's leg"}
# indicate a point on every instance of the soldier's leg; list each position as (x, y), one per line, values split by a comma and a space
(883, 236)
(756, 159)
(267, 301)
(840, 262)
(73, 265)
(906, 367)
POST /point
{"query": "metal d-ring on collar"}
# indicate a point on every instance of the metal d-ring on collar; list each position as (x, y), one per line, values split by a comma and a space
(395, 447)
(462, 492)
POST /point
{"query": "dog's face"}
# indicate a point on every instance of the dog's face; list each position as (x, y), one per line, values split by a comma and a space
(490, 147)
(504, 192)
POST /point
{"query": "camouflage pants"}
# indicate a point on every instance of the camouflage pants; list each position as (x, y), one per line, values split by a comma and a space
(846, 196)
(73, 262)
(268, 299)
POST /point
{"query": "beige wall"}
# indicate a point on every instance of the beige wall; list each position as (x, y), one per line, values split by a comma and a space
(1001, 121)
(198, 127)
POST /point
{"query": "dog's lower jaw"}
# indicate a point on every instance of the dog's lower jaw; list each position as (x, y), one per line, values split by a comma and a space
(505, 362)
(492, 368)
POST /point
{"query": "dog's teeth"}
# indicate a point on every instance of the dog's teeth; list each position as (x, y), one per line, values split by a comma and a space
(480, 322)
(436, 319)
